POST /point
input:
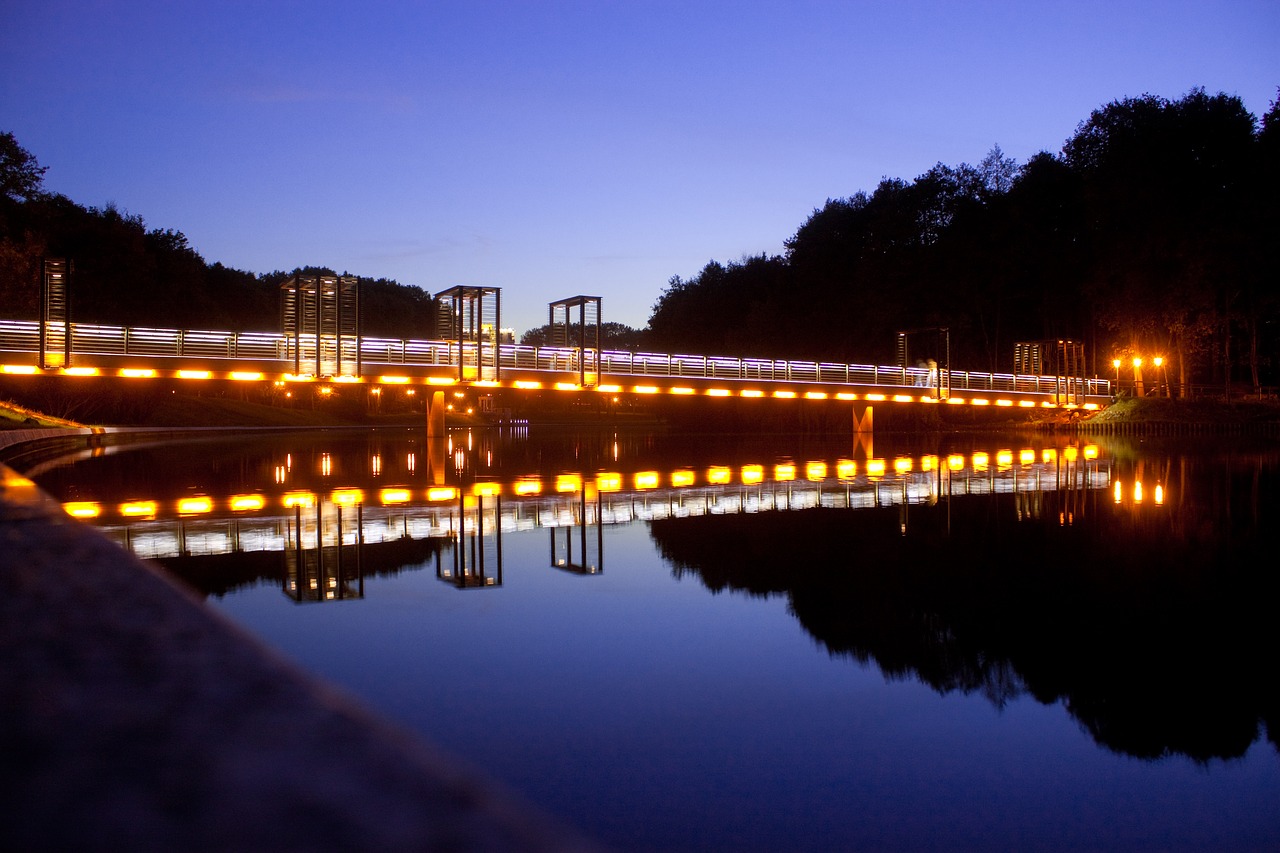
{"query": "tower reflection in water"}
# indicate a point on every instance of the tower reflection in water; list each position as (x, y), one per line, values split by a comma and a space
(476, 540)
(584, 526)
(320, 520)
(319, 564)
(475, 531)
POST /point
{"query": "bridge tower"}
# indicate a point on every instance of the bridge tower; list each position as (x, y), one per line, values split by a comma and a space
(320, 318)
(55, 313)
(470, 319)
(1062, 359)
(582, 335)
(588, 530)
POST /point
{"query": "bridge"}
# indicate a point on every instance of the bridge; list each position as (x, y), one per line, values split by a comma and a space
(194, 356)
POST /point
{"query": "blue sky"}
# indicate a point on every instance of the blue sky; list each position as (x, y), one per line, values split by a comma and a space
(562, 148)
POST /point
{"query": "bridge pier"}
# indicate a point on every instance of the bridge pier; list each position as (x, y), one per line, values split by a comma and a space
(435, 415)
(863, 420)
(437, 438)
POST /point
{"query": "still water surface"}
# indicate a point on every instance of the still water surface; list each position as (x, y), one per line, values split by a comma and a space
(766, 643)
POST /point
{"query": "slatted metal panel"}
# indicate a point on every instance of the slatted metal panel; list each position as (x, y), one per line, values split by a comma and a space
(55, 313)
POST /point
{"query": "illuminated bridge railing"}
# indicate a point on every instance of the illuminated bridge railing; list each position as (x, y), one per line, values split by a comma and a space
(269, 529)
(87, 340)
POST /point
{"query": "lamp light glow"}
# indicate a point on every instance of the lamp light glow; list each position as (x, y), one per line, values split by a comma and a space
(138, 509)
(646, 480)
(528, 486)
(82, 509)
(194, 506)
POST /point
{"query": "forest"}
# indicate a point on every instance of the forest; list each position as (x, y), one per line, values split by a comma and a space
(1153, 230)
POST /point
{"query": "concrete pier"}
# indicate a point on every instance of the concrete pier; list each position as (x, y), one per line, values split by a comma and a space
(134, 717)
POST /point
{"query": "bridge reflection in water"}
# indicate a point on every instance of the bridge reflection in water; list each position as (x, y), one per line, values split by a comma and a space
(326, 536)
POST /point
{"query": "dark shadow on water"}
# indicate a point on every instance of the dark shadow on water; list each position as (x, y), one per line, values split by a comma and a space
(1153, 626)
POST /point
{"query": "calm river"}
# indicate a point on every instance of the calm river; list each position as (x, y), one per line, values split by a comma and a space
(682, 642)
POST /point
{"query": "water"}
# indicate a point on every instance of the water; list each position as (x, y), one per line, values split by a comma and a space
(771, 642)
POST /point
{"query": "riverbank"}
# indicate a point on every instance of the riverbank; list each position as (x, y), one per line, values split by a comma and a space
(1165, 416)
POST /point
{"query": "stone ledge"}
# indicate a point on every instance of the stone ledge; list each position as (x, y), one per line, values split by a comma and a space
(134, 717)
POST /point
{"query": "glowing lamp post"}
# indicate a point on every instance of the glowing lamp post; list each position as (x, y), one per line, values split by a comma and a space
(1158, 361)
(1137, 376)
(1115, 362)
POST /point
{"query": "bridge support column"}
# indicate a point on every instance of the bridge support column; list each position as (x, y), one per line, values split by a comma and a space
(862, 419)
(435, 416)
(437, 438)
(862, 430)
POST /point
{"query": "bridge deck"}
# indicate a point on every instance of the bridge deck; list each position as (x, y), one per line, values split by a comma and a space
(269, 356)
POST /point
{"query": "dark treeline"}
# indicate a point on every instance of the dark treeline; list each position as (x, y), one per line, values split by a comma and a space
(127, 274)
(613, 336)
(1152, 231)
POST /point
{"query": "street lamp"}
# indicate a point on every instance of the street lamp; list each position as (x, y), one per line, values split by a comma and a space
(1158, 361)
(1137, 376)
(1115, 362)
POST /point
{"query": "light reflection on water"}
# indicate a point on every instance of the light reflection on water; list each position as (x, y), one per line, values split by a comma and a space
(986, 643)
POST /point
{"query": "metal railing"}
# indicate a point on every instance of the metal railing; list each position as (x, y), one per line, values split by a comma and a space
(86, 339)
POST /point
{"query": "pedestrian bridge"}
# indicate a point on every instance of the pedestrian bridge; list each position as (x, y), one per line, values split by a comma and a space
(194, 356)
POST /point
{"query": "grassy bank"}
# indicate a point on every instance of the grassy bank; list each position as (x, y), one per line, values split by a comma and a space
(1165, 410)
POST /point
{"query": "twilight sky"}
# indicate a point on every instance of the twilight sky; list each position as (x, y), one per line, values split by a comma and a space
(562, 148)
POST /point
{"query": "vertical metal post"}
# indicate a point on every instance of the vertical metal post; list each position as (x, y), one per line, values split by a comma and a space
(319, 325)
(66, 316)
(338, 570)
(337, 324)
(497, 533)
(360, 545)
(497, 334)
(55, 313)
